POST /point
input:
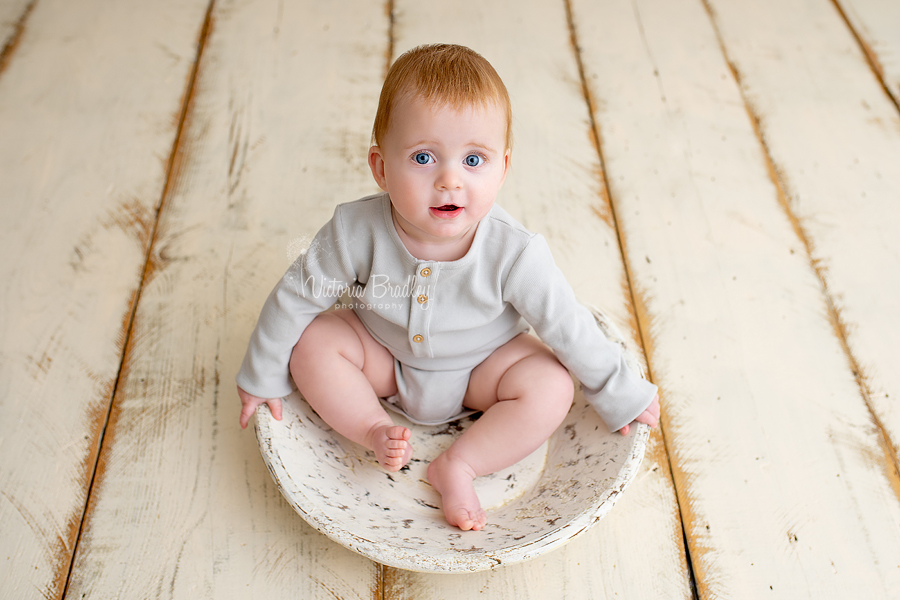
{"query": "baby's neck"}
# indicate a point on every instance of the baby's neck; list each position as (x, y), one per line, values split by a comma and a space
(438, 251)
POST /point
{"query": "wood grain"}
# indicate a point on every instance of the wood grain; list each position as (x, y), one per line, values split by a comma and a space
(750, 154)
(780, 471)
(13, 14)
(875, 24)
(833, 137)
(276, 133)
(87, 102)
(556, 188)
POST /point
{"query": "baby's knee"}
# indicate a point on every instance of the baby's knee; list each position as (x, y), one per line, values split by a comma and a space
(553, 383)
(326, 335)
(561, 386)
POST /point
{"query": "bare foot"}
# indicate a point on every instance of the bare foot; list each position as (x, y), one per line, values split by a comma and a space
(453, 481)
(391, 445)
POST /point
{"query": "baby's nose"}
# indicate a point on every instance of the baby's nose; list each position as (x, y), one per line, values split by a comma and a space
(448, 179)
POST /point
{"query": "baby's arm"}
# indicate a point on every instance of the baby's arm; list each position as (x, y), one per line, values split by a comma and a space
(250, 402)
(540, 293)
(311, 284)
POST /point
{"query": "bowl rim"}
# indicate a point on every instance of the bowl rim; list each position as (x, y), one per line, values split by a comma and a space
(438, 560)
(455, 561)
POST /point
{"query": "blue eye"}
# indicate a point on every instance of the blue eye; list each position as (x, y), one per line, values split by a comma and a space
(423, 158)
(473, 160)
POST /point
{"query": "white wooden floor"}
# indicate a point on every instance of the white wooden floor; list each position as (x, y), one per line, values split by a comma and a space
(722, 176)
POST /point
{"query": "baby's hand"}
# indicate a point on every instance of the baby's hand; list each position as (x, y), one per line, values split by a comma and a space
(250, 402)
(650, 416)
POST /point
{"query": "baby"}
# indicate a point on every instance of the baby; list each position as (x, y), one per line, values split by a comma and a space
(443, 282)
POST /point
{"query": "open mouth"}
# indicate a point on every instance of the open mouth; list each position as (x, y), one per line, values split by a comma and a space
(446, 210)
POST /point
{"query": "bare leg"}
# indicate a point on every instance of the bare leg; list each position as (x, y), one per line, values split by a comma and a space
(342, 371)
(525, 393)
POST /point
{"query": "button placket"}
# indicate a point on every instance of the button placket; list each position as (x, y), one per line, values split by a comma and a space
(419, 317)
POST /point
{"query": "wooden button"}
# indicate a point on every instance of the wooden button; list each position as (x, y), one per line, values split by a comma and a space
(425, 272)
(422, 299)
(417, 338)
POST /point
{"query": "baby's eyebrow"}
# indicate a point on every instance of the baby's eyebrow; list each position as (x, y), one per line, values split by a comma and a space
(429, 143)
(482, 146)
(422, 143)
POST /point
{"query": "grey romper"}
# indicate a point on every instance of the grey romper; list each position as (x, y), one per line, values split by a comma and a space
(439, 319)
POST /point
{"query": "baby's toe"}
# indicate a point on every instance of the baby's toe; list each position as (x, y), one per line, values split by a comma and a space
(398, 433)
(478, 519)
(392, 464)
(467, 520)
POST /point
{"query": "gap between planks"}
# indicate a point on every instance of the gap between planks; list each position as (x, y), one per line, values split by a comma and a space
(172, 171)
(834, 314)
(638, 305)
(10, 47)
(871, 58)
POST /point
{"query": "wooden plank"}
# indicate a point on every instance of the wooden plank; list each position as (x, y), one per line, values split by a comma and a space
(875, 24)
(86, 125)
(834, 138)
(277, 132)
(556, 187)
(780, 470)
(834, 141)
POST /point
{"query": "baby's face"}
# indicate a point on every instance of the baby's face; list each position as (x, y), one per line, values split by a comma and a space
(442, 168)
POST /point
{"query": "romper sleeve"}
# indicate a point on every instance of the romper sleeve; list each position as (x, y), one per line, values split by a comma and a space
(538, 290)
(311, 284)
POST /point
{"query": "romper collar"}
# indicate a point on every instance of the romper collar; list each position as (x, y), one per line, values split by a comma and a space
(468, 257)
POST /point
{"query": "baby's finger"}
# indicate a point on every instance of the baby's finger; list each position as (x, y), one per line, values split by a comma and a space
(275, 407)
(654, 407)
(246, 413)
(625, 429)
(648, 417)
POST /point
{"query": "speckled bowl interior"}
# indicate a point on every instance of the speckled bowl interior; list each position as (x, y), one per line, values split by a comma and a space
(540, 503)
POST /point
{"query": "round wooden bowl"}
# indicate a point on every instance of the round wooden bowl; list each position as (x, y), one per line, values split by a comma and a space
(537, 505)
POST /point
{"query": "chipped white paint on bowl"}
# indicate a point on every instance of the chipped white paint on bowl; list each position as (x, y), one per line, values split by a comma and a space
(547, 499)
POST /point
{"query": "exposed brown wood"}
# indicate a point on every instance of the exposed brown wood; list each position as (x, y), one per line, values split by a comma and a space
(176, 411)
(665, 136)
(569, 205)
(11, 42)
(160, 163)
(866, 14)
(67, 226)
(144, 228)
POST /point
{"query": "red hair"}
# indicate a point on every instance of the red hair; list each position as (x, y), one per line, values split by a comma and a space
(442, 74)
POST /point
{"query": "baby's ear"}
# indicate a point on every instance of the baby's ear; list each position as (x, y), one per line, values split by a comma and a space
(376, 164)
(507, 157)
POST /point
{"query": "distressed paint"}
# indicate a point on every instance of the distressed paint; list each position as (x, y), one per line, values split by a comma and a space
(267, 146)
(556, 187)
(88, 221)
(763, 414)
(875, 24)
(548, 498)
(78, 150)
(854, 248)
(13, 15)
